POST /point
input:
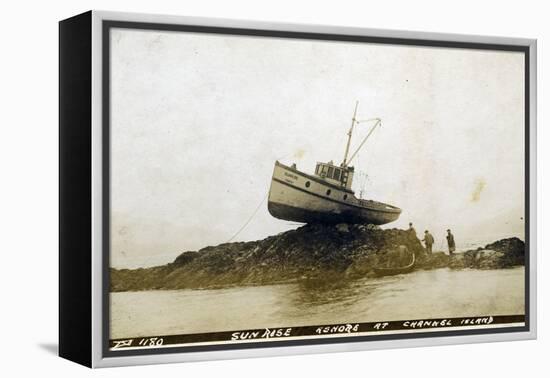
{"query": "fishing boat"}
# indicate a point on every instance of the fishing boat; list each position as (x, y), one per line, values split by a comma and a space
(382, 271)
(326, 196)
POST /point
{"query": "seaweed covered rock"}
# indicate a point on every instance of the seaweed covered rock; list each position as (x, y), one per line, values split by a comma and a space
(312, 250)
(186, 258)
(504, 253)
(435, 260)
(513, 250)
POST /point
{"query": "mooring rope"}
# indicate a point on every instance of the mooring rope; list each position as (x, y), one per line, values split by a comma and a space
(249, 219)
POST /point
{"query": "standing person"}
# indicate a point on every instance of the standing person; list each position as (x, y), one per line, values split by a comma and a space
(411, 229)
(429, 241)
(451, 242)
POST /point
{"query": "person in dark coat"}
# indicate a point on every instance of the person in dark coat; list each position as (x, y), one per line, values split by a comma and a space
(428, 241)
(451, 242)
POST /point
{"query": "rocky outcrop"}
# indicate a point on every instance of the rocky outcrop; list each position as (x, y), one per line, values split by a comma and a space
(501, 254)
(504, 253)
(309, 252)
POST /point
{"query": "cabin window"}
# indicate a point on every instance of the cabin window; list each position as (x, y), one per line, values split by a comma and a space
(337, 174)
(323, 170)
(330, 170)
(317, 169)
(307, 184)
(328, 192)
(345, 197)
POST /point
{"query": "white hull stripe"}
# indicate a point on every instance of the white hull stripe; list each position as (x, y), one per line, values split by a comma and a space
(337, 201)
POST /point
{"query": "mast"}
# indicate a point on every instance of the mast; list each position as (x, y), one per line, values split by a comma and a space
(349, 134)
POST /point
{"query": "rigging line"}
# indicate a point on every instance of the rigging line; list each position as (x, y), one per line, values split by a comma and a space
(378, 123)
(249, 219)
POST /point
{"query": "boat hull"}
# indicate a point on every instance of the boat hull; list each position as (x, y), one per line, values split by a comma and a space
(381, 272)
(299, 197)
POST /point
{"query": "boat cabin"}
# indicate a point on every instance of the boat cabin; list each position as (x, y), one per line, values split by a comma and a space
(337, 175)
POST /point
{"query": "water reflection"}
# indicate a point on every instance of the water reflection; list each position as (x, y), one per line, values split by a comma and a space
(315, 301)
(321, 300)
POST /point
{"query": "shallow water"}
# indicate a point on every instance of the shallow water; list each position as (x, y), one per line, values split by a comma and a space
(423, 294)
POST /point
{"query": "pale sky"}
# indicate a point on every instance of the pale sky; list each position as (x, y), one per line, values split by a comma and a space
(198, 121)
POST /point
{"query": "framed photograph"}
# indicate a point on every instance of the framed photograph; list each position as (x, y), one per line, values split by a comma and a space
(232, 189)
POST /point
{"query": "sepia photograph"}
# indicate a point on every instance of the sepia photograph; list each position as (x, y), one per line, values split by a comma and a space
(267, 187)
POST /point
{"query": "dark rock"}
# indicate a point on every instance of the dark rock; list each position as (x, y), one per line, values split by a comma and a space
(434, 261)
(186, 257)
(513, 250)
(504, 253)
(310, 252)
